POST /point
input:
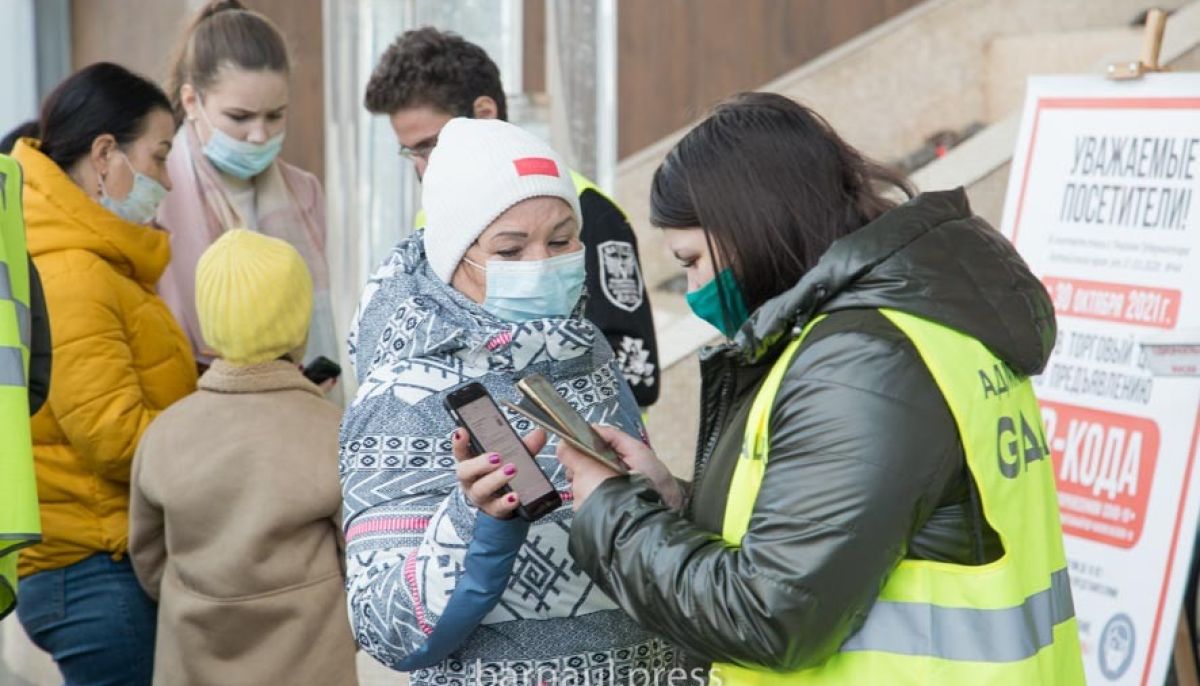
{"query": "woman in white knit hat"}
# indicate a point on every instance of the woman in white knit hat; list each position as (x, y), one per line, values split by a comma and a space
(443, 581)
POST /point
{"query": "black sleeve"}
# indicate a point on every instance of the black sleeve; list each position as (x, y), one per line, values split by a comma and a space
(861, 446)
(618, 298)
(39, 343)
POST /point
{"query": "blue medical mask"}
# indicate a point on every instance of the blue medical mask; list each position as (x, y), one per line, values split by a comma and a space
(720, 303)
(533, 289)
(242, 159)
(140, 206)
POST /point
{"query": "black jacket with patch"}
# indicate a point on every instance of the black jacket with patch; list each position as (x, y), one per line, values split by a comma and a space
(618, 298)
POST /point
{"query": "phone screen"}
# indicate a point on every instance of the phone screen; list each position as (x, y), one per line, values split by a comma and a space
(494, 435)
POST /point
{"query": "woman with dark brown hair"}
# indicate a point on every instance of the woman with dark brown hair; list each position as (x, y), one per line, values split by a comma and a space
(873, 499)
(92, 182)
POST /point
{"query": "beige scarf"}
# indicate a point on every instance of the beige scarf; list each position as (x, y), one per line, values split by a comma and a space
(199, 210)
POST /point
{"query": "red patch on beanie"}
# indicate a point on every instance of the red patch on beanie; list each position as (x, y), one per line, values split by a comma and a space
(536, 166)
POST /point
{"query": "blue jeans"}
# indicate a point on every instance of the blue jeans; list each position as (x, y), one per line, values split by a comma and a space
(94, 620)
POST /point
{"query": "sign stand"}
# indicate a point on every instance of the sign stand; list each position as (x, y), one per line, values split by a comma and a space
(1156, 21)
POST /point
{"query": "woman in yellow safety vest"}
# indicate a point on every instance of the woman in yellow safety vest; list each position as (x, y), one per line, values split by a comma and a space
(873, 499)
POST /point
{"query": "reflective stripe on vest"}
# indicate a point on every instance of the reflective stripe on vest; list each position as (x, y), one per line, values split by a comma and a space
(1008, 621)
(8, 293)
(19, 517)
(12, 367)
(582, 183)
(963, 633)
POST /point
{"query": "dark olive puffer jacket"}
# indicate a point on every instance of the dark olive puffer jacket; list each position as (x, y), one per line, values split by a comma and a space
(865, 464)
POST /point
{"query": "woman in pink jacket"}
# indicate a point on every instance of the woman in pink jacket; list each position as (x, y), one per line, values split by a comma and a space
(229, 86)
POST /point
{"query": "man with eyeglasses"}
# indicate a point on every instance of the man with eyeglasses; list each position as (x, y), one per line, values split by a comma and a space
(426, 78)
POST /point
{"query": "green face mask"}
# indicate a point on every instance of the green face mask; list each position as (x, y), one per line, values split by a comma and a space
(706, 302)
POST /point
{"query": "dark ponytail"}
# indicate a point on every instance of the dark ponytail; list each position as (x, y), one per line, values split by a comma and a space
(98, 99)
(224, 32)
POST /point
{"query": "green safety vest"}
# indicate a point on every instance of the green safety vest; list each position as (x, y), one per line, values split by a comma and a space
(19, 522)
(1010, 621)
(582, 183)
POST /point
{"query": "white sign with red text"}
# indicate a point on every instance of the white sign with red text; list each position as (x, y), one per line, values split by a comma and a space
(1104, 203)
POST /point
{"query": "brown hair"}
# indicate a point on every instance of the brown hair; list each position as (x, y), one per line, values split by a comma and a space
(773, 186)
(440, 69)
(224, 32)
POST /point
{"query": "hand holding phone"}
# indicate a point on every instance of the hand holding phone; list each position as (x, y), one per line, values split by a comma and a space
(587, 473)
(489, 432)
(486, 478)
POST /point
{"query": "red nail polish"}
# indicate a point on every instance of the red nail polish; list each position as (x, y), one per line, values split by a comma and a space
(494, 458)
(512, 498)
(456, 434)
(510, 469)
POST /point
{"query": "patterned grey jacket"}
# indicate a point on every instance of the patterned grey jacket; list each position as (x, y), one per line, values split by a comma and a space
(409, 528)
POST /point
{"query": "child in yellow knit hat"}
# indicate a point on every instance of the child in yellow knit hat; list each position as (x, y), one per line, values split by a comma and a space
(253, 298)
(235, 510)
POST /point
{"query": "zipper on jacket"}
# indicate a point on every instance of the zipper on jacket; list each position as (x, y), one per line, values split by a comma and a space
(704, 452)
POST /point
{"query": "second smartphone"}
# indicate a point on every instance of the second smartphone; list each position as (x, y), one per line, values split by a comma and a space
(473, 408)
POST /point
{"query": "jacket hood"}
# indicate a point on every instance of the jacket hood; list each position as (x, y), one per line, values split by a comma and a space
(59, 216)
(431, 318)
(930, 257)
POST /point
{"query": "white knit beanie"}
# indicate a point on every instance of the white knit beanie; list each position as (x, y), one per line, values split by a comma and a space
(479, 169)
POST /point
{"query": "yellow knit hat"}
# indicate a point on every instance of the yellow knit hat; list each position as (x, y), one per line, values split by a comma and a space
(253, 297)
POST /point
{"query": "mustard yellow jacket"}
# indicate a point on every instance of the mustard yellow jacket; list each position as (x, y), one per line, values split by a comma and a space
(119, 359)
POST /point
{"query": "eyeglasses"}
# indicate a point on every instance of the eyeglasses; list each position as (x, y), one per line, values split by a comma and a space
(421, 150)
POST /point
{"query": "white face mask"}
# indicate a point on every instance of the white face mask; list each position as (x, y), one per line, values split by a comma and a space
(140, 206)
(518, 291)
(240, 159)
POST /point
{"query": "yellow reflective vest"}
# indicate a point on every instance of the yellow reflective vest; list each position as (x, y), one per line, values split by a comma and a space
(1010, 621)
(19, 522)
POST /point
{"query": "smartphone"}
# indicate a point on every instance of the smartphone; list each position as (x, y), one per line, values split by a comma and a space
(321, 370)
(473, 408)
(539, 389)
(586, 444)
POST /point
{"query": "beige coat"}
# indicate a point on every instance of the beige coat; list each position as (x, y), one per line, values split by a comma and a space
(234, 528)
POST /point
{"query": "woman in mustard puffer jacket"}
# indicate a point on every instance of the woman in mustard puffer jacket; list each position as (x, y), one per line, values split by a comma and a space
(92, 183)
